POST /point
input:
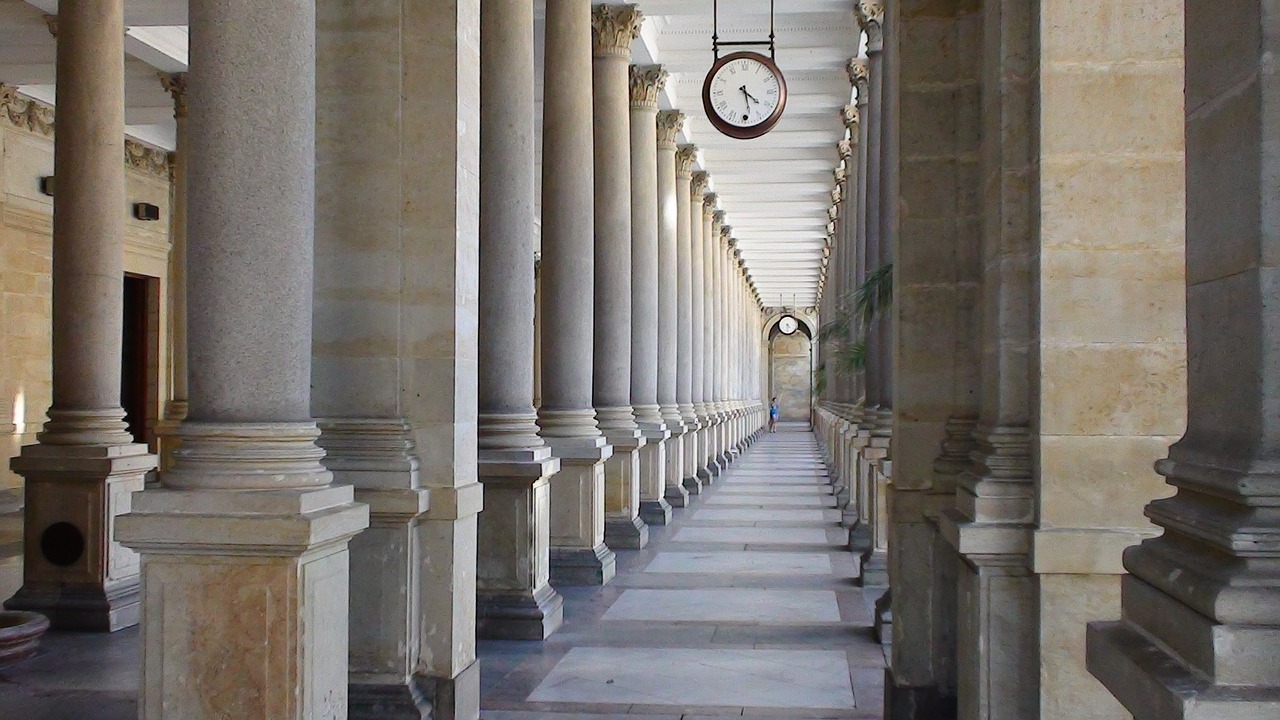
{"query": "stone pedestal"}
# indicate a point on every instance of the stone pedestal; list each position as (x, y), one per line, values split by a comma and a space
(264, 575)
(623, 528)
(513, 597)
(579, 555)
(655, 509)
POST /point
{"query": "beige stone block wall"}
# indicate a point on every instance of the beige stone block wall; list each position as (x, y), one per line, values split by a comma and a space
(26, 230)
(791, 376)
(1111, 339)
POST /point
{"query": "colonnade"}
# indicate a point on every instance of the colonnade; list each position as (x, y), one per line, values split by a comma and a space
(356, 481)
(994, 455)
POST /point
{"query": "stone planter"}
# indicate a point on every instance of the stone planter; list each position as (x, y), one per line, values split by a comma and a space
(19, 635)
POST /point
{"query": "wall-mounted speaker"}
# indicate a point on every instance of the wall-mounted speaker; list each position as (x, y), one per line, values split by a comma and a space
(146, 211)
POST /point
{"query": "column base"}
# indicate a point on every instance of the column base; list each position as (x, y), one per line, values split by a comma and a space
(83, 609)
(424, 698)
(656, 512)
(582, 566)
(677, 496)
(692, 484)
(706, 474)
(882, 630)
(625, 533)
(873, 571)
(510, 616)
(902, 702)
(1154, 685)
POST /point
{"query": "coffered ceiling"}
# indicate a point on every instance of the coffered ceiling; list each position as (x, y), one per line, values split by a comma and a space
(775, 190)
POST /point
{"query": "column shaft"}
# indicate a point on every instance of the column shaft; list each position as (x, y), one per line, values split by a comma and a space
(698, 284)
(247, 524)
(669, 124)
(685, 158)
(515, 599)
(566, 418)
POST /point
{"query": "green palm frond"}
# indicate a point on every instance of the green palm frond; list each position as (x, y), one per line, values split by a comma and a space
(847, 330)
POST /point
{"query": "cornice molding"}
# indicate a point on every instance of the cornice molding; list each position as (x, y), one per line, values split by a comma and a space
(670, 123)
(647, 82)
(613, 27)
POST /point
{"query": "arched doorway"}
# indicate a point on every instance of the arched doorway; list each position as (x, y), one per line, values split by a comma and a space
(791, 368)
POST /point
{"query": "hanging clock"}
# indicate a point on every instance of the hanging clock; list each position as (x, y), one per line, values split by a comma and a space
(788, 325)
(744, 95)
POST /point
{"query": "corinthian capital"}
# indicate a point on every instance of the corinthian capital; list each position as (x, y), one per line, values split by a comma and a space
(870, 14)
(699, 184)
(726, 233)
(719, 216)
(613, 27)
(670, 122)
(176, 85)
(845, 148)
(647, 82)
(709, 202)
(851, 118)
(839, 174)
(686, 156)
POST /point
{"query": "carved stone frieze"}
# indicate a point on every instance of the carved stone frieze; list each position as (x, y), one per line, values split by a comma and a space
(686, 156)
(146, 158)
(25, 113)
(670, 123)
(613, 27)
(647, 82)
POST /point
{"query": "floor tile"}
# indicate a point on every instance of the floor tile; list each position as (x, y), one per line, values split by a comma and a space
(760, 535)
(773, 500)
(729, 677)
(731, 605)
(742, 563)
(755, 514)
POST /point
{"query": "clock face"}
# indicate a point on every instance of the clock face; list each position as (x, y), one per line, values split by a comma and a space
(744, 95)
(788, 325)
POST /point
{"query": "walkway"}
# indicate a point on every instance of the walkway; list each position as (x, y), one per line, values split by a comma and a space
(743, 606)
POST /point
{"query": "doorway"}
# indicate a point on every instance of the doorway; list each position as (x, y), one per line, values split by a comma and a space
(139, 366)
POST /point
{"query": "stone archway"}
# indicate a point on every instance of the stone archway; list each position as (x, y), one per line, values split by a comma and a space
(791, 372)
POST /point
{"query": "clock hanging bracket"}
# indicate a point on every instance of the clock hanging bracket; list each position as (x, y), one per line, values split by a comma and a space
(717, 43)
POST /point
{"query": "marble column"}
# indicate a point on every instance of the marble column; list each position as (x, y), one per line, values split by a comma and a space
(890, 158)
(566, 418)
(394, 353)
(669, 124)
(698, 284)
(686, 377)
(1200, 606)
(870, 215)
(715, 420)
(515, 599)
(646, 83)
(80, 474)
(245, 545)
(613, 27)
(724, 251)
(859, 75)
(176, 407)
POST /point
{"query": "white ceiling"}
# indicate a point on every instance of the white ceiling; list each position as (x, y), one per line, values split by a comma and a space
(775, 190)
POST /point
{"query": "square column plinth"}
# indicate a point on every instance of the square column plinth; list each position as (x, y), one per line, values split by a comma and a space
(674, 491)
(514, 600)
(623, 528)
(73, 572)
(246, 593)
(694, 442)
(579, 555)
(654, 507)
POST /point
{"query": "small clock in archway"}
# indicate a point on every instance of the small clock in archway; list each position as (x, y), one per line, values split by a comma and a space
(788, 325)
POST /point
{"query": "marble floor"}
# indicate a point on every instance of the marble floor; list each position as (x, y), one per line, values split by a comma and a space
(743, 606)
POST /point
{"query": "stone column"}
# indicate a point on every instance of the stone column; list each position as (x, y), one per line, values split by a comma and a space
(613, 27)
(724, 251)
(80, 474)
(1200, 634)
(686, 156)
(859, 73)
(710, 238)
(670, 317)
(515, 599)
(395, 342)
(871, 14)
(176, 408)
(698, 284)
(646, 83)
(890, 80)
(566, 418)
(245, 544)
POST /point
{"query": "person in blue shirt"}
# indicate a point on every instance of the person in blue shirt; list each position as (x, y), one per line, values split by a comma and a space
(774, 412)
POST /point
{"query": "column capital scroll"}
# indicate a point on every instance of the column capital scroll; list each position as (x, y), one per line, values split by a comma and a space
(726, 234)
(613, 27)
(670, 123)
(851, 118)
(686, 156)
(839, 174)
(845, 148)
(698, 186)
(719, 216)
(647, 82)
(837, 194)
(176, 85)
(710, 201)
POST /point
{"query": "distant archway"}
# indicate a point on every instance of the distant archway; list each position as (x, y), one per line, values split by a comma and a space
(790, 368)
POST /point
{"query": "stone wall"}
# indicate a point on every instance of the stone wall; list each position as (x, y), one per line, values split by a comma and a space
(26, 216)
